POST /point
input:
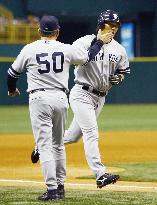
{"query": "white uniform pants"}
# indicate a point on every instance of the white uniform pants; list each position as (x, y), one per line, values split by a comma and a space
(86, 107)
(48, 113)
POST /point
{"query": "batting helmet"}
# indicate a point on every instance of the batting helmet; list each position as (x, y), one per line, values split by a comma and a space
(106, 16)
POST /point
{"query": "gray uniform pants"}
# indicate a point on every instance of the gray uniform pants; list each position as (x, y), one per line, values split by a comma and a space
(48, 113)
(86, 108)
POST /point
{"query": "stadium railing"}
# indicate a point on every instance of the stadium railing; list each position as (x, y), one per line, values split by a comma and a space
(22, 33)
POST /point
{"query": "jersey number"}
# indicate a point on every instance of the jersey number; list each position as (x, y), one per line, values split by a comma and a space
(57, 59)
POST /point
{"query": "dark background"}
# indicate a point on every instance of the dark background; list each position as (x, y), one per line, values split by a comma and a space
(78, 18)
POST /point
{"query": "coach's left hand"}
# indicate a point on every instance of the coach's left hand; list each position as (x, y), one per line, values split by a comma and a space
(14, 93)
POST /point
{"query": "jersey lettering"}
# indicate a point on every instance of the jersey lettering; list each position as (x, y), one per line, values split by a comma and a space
(57, 62)
(113, 58)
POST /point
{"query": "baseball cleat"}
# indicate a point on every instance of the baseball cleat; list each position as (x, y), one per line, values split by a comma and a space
(60, 192)
(35, 155)
(50, 195)
(107, 179)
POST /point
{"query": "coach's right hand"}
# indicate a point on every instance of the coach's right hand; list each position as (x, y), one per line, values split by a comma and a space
(105, 38)
(14, 93)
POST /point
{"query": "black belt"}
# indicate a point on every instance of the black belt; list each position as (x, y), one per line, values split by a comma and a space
(94, 91)
(42, 89)
(36, 90)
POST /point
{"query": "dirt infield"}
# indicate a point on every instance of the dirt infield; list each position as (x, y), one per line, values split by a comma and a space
(115, 147)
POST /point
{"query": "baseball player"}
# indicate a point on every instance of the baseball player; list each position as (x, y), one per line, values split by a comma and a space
(87, 97)
(47, 62)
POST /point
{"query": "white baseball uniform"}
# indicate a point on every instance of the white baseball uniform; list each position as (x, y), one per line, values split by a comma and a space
(87, 105)
(47, 66)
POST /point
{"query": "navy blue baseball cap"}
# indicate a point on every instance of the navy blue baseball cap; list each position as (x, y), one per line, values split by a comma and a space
(49, 24)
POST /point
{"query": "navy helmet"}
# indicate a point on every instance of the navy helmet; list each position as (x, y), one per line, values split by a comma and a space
(48, 24)
(108, 16)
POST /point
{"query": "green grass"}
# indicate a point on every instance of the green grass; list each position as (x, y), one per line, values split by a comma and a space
(15, 119)
(128, 117)
(23, 195)
(140, 172)
(137, 172)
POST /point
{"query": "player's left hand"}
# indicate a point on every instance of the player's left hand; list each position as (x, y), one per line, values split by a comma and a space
(14, 93)
(116, 79)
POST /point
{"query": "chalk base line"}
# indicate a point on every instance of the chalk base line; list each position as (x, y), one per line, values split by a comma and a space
(119, 186)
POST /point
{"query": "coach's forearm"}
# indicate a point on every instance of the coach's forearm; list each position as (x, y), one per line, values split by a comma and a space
(11, 82)
(12, 79)
(94, 49)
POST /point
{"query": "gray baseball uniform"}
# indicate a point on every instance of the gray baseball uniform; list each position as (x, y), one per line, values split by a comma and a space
(47, 65)
(87, 97)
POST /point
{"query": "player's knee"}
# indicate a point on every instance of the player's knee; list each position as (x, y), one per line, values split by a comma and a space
(91, 132)
(72, 136)
(45, 156)
(68, 140)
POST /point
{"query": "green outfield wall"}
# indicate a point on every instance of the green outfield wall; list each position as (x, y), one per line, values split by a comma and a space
(139, 87)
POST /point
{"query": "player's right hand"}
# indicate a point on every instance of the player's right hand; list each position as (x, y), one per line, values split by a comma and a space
(106, 37)
(14, 93)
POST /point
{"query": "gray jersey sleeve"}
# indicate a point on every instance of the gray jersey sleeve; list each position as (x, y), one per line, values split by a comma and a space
(19, 64)
(79, 56)
(124, 62)
(80, 50)
(123, 66)
(83, 42)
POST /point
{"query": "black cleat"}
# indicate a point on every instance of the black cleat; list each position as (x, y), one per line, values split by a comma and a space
(35, 155)
(50, 195)
(60, 191)
(107, 179)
